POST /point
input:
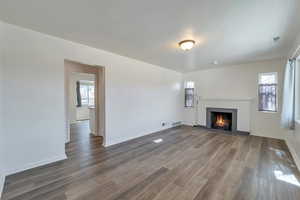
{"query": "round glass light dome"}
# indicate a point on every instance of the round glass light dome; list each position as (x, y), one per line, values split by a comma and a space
(186, 44)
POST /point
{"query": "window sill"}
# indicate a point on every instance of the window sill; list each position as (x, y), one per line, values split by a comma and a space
(269, 112)
(188, 107)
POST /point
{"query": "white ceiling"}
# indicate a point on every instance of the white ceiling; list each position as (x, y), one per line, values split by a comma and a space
(230, 31)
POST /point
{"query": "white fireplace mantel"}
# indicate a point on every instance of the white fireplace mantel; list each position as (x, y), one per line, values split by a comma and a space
(225, 99)
(243, 106)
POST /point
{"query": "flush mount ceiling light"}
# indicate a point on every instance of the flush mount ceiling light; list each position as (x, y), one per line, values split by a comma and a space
(186, 44)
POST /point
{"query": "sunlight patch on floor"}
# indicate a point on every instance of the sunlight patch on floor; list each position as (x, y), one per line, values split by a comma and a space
(159, 140)
(288, 178)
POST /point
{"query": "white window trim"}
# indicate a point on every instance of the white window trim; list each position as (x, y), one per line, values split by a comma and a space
(268, 73)
(187, 86)
(277, 103)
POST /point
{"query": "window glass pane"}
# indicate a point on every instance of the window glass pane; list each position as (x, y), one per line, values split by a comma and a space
(87, 91)
(84, 101)
(84, 94)
(84, 91)
(91, 95)
(189, 97)
(190, 84)
(268, 78)
(267, 98)
(267, 92)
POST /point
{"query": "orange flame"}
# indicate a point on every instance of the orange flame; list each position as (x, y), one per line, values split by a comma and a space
(220, 121)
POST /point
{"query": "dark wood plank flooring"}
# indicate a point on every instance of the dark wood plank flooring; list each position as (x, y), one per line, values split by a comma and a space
(189, 163)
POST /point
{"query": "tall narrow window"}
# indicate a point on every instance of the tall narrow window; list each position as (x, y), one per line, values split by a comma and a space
(267, 92)
(189, 94)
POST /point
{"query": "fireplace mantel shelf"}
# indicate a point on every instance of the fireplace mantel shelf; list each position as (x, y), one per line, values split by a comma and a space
(225, 99)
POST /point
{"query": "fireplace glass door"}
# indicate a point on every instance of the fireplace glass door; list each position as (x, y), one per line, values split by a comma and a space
(221, 120)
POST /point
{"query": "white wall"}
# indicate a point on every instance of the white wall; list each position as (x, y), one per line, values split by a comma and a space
(239, 83)
(2, 168)
(139, 96)
(293, 142)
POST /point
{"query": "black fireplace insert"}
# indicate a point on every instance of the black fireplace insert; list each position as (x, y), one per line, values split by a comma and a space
(221, 118)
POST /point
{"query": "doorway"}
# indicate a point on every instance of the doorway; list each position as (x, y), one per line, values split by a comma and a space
(84, 101)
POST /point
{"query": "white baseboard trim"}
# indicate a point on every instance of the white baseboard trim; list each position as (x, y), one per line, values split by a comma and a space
(2, 180)
(187, 124)
(36, 164)
(108, 144)
(294, 154)
(266, 136)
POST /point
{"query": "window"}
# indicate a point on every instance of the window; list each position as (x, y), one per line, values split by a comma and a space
(87, 93)
(267, 92)
(189, 94)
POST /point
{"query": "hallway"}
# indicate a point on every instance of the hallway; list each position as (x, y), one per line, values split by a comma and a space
(81, 141)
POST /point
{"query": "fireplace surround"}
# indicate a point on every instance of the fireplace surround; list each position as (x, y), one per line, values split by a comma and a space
(221, 118)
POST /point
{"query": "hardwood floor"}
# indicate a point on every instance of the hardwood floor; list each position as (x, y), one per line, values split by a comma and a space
(189, 163)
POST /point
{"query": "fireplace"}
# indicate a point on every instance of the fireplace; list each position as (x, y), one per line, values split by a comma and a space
(221, 118)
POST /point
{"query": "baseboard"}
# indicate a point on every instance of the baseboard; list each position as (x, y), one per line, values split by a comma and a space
(188, 124)
(2, 180)
(267, 136)
(28, 166)
(222, 131)
(137, 136)
(36, 164)
(294, 154)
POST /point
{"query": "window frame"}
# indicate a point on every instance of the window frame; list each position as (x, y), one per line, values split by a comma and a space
(189, 86)
(276, 91)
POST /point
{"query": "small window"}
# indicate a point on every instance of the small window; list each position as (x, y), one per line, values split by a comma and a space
(267, 92)
(189, 94)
